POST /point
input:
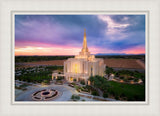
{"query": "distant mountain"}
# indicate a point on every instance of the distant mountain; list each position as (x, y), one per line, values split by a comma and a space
(114, 54)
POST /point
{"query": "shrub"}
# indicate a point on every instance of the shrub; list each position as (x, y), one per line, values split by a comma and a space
(112, 92)
(109, 70)
(125, 79)
(130, 98)
(82, 82)
(74, 80)
(95, 93)
(72, 97)
(122, 95)
(136, 80)
(46, 81)
(59, 78)
(117, 97)
(121, 77)
(24, 85)
(77, 88)
(130, 78)
(75, 97)
(105, 95)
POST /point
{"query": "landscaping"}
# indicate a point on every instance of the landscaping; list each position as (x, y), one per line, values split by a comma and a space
(119, 91)
(75, 97)
(22, 87)
(124, 90)
(133, 77)
(36, 74)
(127, 92)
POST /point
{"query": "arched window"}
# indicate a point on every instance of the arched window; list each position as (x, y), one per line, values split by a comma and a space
(66, 67)
(92, 70)
(76, 68)
(83, 68)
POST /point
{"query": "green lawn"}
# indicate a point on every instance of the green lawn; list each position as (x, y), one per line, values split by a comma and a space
(131, 92)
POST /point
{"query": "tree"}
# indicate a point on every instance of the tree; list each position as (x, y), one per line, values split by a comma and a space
(95, 93)
(82, 82)
(136, 80)
(105, 94)
(116, 97)
(74, 80)
(109, 70)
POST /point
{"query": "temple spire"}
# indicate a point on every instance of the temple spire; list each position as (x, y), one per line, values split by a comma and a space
(85, 48)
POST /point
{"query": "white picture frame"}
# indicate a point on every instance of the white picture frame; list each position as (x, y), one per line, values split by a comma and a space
(8, 8)
(13, 13)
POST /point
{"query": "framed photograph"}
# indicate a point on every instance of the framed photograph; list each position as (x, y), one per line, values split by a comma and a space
(79, 58)
(50, 64)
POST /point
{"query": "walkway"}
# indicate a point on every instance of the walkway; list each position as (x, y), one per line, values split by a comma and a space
(65, 93)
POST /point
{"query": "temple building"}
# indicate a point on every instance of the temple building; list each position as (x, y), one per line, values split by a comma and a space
(84, 65)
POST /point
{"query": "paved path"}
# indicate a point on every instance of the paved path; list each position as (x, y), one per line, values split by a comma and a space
(65, 92)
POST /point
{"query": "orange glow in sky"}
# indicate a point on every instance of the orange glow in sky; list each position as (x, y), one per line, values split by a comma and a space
(63, 34)
(46, 51)
(30, 50)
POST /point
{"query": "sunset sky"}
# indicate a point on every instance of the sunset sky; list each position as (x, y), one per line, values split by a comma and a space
(63, 34)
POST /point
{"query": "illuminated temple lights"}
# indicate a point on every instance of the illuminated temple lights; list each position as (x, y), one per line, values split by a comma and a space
(83, 65)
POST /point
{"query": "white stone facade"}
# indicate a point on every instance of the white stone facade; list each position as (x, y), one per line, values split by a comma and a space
(83, 65)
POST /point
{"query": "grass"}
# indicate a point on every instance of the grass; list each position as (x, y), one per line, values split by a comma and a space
(131, 92)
